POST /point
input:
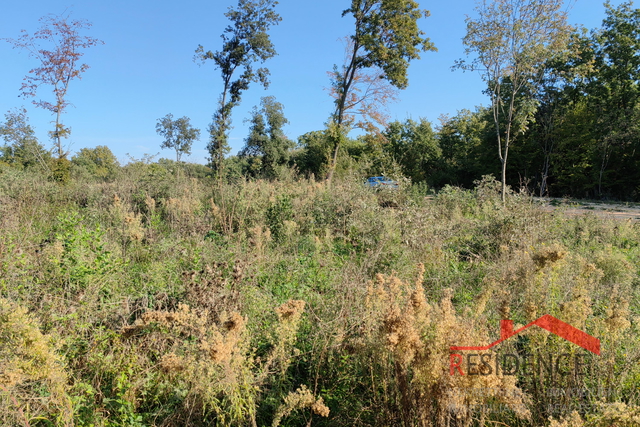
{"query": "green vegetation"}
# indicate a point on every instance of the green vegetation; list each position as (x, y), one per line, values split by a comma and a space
(513, 40)
(99, 162)
(178, 134)
(573, 127)
(245, 43)
(564, 104)
(267, 147)
(273, 288)
(386, 38)
(158, 298)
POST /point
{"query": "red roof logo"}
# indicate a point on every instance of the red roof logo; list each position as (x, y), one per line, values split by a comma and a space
(551, 324)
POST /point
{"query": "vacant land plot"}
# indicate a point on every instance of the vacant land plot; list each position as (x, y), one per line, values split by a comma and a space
(159, 300)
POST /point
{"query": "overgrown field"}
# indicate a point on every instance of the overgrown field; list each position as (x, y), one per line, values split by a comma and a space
(163, 300)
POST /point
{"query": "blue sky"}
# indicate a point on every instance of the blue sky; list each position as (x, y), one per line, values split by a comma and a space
(145, 69)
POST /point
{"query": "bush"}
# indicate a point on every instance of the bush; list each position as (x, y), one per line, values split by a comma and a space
(98, 162)
(33, 383)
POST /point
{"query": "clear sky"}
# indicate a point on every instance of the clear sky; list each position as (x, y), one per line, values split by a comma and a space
(145, 69)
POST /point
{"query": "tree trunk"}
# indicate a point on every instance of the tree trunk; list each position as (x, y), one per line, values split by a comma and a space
(504, 180)
(57, 134)
(545, 175)
(219, 155)
(603, 165)
(347, 81)
(334, 161)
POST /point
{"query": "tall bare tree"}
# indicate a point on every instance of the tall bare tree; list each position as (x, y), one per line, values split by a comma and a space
(365, 107)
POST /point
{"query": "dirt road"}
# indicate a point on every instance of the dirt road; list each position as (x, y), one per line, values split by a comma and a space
(577, 207)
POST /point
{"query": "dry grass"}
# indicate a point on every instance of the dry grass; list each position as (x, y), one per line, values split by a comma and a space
(180, 302)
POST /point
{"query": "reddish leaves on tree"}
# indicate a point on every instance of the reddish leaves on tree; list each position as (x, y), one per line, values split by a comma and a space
(60, 64)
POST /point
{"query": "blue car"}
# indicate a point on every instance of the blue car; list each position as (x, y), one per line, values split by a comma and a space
(379, 182)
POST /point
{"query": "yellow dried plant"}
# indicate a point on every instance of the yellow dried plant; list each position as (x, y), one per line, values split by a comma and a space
(399, 322)
(28, 364)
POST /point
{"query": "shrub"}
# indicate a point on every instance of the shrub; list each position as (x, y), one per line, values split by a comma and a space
(33, 382)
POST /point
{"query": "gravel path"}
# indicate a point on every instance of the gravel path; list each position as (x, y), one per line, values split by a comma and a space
(629, 211)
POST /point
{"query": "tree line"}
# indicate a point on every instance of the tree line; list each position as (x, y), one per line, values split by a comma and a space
(562, 118)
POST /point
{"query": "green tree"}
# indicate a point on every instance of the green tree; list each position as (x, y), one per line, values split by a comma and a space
(191, 170)
(512, 39)
(99, 162)
(178, 134)
(614, 91)
(414, 146)
(245, 42)
(21, 145)
(376, 158)
(547, 118)
(266, 139)
(58, 46)
(462, 139)
(313, 153)
(598, 88)
(386, 38)
(574, 160)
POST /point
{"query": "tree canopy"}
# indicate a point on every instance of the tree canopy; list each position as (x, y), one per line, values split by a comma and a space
(386, 37)
(21, 148)
(245, 41)
(267, 144)
(511, 41)
(178, 134)
(58, 46)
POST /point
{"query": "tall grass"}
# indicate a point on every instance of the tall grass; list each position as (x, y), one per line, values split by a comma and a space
(162, 300)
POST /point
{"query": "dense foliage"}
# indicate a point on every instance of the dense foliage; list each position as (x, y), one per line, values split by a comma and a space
(572, 130)
(246, 41)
